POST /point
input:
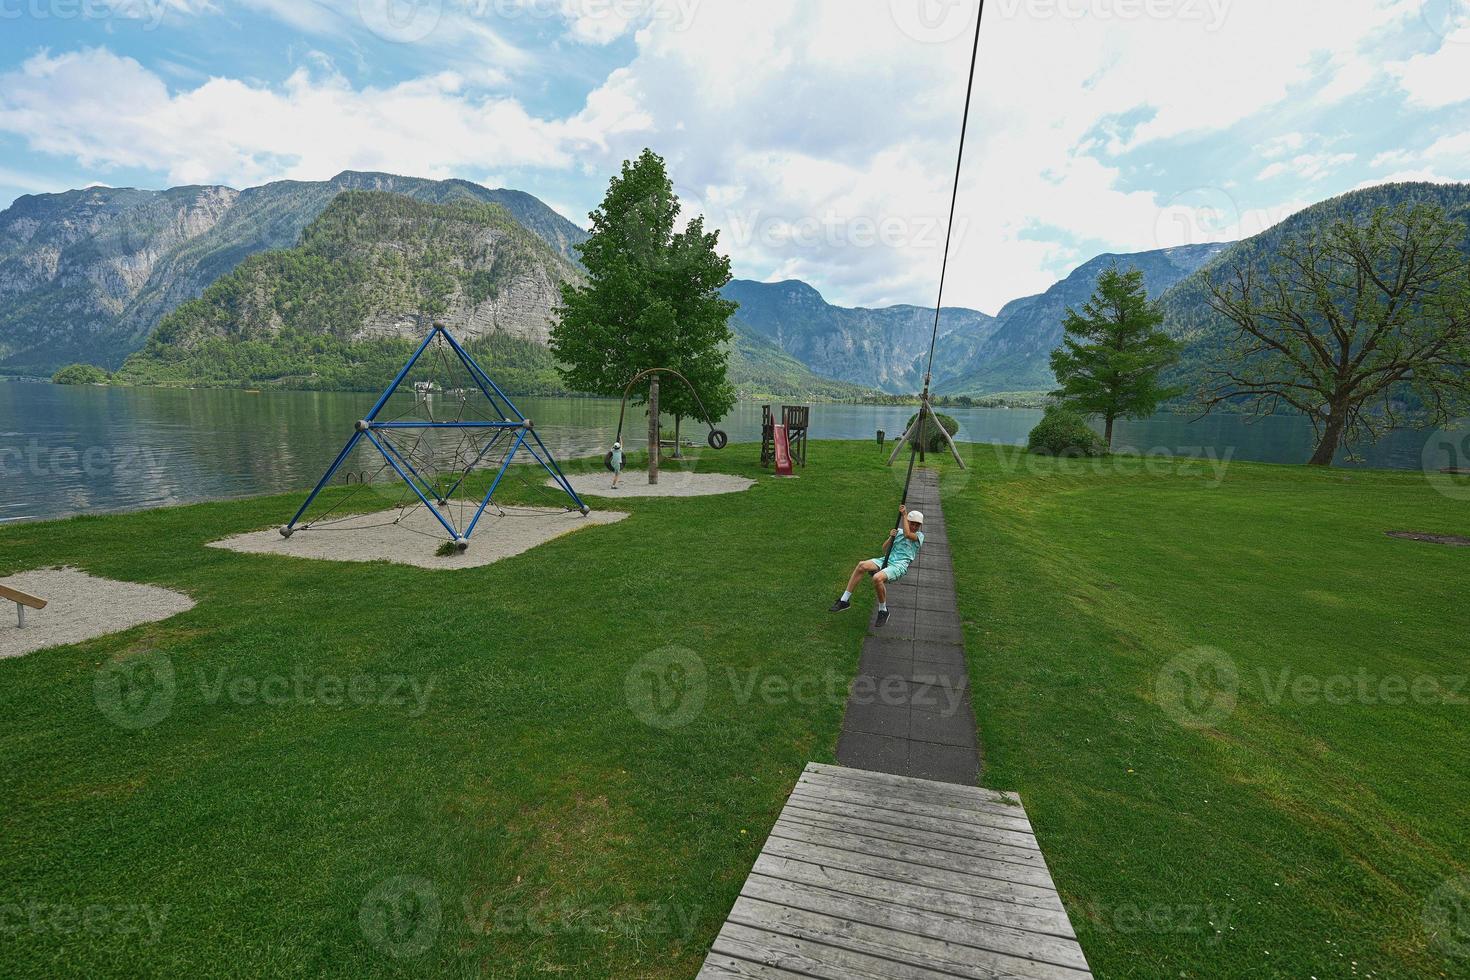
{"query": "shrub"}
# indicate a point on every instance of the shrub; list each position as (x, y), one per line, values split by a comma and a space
(1063, 432)
(80, 374)
(935, 442)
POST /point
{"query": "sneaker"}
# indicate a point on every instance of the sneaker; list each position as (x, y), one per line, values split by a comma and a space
(840, 606)
(882, 618)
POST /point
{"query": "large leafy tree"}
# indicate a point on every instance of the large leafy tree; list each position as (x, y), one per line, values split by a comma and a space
(1362, 326)
(1114, 352)
(652, 298)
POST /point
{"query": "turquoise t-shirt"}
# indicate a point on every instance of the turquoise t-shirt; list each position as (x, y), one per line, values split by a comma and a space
(617, 459)
(904, 550)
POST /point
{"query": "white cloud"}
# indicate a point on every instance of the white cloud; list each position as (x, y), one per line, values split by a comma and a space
(1408, 176)
(1393, 158)
(1447, 159)
(1280, 146)
(819, 137)
(831, 116)
(1436, 80)
(108, 111)
(604, 21)
(1308, 166)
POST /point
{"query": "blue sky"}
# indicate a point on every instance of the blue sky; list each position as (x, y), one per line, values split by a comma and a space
(817, 136)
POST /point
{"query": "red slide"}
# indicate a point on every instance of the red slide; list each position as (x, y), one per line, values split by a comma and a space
(783, 452)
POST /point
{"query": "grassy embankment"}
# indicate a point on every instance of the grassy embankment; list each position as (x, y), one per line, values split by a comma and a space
(504, 810)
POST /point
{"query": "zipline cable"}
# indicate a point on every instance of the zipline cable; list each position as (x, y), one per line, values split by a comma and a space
(924, 410)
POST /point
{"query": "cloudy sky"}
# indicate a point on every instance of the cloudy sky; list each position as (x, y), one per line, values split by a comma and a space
(818, 135)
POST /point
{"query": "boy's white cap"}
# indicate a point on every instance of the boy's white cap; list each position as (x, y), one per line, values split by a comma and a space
(617, 445)
(916, 517)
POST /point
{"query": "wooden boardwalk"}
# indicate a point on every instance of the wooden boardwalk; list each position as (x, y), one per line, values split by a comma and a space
(871, 875)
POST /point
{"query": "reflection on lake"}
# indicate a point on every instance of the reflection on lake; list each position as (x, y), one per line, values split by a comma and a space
(71, 450)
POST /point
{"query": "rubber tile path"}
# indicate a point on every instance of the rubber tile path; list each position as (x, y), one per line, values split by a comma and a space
(908, 710)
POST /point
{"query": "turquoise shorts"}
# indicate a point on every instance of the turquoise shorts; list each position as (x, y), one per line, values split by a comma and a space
(895, 571)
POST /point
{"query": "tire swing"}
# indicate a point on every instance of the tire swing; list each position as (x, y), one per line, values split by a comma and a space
(717, 439)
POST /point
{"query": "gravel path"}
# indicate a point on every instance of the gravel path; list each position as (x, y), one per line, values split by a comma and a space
(374, 537)
(80, 607)
(671, 483)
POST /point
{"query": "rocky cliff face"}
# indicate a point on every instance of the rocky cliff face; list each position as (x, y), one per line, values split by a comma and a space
(883, 348)
(372, 266)
(71, 265)
(87, 275)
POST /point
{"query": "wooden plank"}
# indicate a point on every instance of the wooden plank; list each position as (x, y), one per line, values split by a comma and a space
(965, 931)
(876, 877)
(895, 869)
(900, 818)
(24, 598)
(998, 814)
(978, 818)
(992, 814)
(926, 897)
(812, 958)
(722, 965)
(942, 841)
(899, 850)
(926, 952)
(936, 794)
(918, 789)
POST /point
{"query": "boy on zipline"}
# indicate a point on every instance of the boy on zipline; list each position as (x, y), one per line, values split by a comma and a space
(615, 460)
(898, 552)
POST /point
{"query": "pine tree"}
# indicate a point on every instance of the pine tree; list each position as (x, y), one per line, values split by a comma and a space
(1110, 362)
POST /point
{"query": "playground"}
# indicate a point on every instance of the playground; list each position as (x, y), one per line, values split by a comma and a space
(495, 751)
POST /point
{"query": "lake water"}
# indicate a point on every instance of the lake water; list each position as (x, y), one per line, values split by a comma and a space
(71, 450)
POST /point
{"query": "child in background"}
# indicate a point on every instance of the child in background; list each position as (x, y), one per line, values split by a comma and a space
(617, 463)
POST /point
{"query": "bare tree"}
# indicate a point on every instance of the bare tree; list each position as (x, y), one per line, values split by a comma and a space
(1362, 326)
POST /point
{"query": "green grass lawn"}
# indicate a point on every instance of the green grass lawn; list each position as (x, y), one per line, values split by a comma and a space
(1309, 831)
(492, 799)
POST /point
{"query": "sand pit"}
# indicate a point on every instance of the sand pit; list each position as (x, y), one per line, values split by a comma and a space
(671, 483)
(80, 607)
(374, 537)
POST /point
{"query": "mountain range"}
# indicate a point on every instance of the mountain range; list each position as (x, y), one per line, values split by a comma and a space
(881, 348)
(281, 283)
(975, 354)
(87, 275)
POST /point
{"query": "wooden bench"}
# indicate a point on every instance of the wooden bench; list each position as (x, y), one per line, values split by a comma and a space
(22, 600)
